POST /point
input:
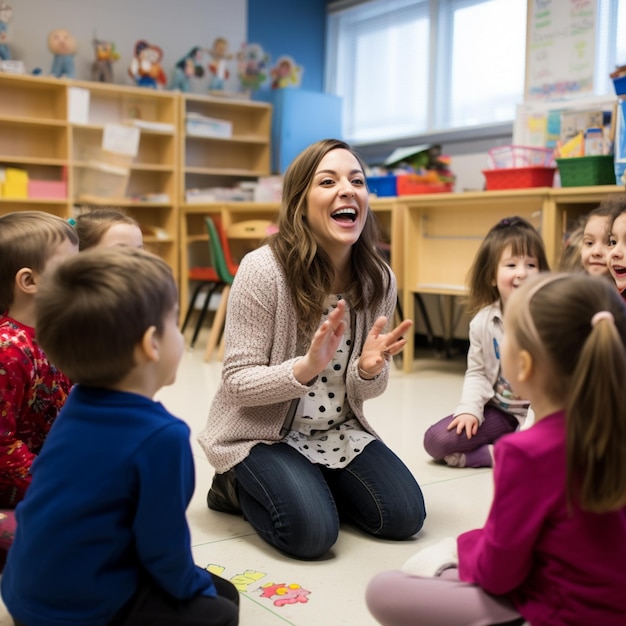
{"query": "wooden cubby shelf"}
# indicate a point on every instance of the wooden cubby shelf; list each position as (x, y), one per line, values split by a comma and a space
(224, 159)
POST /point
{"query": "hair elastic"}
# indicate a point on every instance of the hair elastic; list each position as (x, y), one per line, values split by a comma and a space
(602, 315)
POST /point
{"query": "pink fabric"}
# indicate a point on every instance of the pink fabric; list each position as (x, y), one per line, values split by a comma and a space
(558, 569)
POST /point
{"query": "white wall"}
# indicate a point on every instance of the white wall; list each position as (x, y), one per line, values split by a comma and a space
(174, 25)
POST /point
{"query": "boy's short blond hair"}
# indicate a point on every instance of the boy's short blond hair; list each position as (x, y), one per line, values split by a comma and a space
(28, 239)
(93, 309)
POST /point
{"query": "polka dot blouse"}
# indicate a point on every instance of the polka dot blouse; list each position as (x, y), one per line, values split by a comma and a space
(324, 429)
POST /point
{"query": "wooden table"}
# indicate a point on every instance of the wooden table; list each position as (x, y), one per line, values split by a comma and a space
(442, 233)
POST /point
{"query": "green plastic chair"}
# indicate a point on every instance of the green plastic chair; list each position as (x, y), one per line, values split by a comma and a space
(218, 260)
(218, 256)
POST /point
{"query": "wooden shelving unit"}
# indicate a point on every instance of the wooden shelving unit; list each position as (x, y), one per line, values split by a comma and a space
(39, 136)
(151, 194)
(223, 161)
(34, 136)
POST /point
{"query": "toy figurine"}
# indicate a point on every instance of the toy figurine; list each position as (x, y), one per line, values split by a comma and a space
(218, 69)
(285, 73)
(145, 68)
(6, 15)
(251, 63)
(102, 68)
(63, 46)
(187, 68)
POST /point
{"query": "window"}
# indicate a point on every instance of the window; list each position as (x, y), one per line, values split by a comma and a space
(611, 42)
(379, 66)
(413, 67)
(484, 59)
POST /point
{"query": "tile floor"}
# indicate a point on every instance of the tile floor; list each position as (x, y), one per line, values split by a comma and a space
(456, 500)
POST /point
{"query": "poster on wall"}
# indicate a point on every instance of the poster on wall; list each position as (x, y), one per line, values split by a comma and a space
(560, 49)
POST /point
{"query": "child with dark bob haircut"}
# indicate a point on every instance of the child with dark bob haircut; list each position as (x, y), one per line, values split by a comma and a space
(104, 518)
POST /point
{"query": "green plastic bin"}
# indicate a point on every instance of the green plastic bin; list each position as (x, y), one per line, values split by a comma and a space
(587, 171)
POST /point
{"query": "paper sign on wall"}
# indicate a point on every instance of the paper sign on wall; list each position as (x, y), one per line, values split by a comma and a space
(78, 105)
(560, 50)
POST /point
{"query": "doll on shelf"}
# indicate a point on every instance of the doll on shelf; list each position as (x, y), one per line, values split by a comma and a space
(187, 68)
(145, 68)
(217, 68)
(63, 46)
(6, 15)
(106, 55)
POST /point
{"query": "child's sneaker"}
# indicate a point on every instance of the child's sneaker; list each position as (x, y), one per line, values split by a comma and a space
(481, 457)
(456, 459)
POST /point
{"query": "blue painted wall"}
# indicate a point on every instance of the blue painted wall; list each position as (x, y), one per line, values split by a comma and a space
(296, 28)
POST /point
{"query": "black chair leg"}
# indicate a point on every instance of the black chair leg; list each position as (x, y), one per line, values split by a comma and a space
(192, 303)
(202, 315)
(430, 335)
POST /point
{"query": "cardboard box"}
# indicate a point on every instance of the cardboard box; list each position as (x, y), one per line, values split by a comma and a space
(47, 189)
(15, 183)
(202, 126)
(574, 122)
(100, 181)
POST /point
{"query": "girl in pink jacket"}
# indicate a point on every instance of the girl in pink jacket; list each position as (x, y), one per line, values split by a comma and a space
(553, 549)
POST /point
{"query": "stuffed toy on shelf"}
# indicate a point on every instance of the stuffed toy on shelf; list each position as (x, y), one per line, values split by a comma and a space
(252, 62)
(106, 55)
(187, 68)
(285, 73)
(218, 66)
(145, 68)
(63, 47)
(6, 15)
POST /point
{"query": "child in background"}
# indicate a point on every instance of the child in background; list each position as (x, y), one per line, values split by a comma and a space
(588, 246)
(571, 255)
(108, 226)
(102, 536)
(617, 244)
(511, 251)
(595, 241)
(552, 549)
(32, 389)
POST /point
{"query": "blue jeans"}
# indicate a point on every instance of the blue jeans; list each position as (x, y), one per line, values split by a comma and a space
(297, 506)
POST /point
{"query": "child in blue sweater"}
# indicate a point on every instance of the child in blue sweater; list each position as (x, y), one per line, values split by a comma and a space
(102, 537)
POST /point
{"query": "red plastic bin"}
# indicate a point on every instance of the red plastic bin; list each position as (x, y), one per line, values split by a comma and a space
(412, 185)
(519, 177)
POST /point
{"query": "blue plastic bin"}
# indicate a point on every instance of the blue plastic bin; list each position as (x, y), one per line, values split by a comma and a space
(620, 85)
(383, 185)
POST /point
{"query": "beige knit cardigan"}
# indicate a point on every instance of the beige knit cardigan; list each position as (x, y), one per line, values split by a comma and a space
(262, 344)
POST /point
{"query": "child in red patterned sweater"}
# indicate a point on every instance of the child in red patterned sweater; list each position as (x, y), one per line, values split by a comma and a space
(32, 390)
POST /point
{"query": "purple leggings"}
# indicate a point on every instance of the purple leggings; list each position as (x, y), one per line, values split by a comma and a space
(439, 442)
(397, 599)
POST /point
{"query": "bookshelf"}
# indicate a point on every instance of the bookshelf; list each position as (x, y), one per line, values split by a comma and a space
(225, 157)
(34, 138)
(46, 136)
(149, 190)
